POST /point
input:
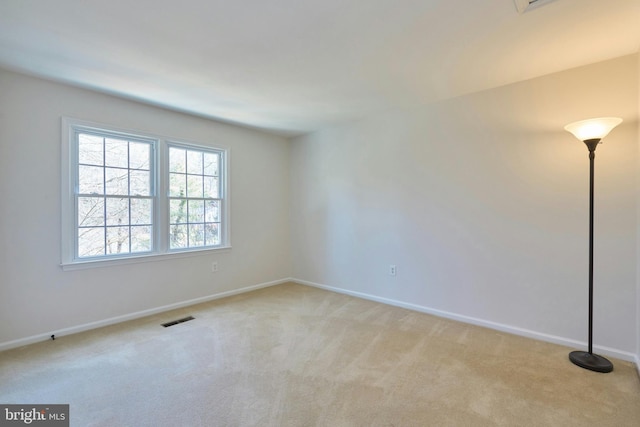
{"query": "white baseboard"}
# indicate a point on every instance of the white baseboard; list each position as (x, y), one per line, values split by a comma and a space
(606, 351)
(623, 355)
(118, 319)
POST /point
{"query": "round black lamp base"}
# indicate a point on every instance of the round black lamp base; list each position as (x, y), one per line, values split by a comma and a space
(591, 361)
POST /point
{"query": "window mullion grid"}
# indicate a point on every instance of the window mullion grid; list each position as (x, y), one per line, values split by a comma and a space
(188, 218)
(186, 177)
(222, 197)
(129, 192)
(204, 206)
(160, 196)
(104, 192)
(202, 198)
(76, 193)
(219, 201)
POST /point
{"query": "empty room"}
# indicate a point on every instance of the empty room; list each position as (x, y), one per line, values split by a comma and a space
(320, 213)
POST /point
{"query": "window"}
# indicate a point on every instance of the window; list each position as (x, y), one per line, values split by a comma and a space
(114, 203)
(194, 198)
(127, 195)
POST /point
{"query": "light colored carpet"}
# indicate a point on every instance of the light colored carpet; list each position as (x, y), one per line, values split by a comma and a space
(291, 355)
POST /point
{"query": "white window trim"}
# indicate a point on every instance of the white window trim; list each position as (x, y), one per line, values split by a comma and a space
(161, 249)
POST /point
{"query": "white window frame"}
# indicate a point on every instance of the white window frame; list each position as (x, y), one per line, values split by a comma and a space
(160, 194)
(221, 174)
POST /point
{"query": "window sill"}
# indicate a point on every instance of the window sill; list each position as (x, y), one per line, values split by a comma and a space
(138, 259)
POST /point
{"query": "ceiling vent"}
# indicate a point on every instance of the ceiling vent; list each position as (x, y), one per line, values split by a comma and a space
(527, 5)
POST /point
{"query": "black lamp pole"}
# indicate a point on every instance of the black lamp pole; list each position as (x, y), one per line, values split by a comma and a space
(584, 359)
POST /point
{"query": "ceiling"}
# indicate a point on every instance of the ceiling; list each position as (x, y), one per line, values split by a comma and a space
(296, 66)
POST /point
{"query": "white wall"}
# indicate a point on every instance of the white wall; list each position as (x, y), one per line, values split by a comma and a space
(482, 203)
(37, 297)
(638, 238)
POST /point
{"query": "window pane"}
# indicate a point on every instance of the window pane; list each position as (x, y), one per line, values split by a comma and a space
(117, 181)
(117, 211)
(196, 235)
(116, 153)
(90, 150)
(139, 155)
(117, 240)
(212, 211)
(177, 185)
(141, 211)
(194, 162)
(90, 242)
(211, 164)
(90, 211)
(178, 211)
(200, 181)
(141, 239)
(178, 236)
(177, 160)
(212, 234)
(196, 211)
(140, 183)
(211, 187)
(194, 186)
(91, 180)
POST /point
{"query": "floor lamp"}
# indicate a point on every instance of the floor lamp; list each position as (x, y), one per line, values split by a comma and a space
(591, 133)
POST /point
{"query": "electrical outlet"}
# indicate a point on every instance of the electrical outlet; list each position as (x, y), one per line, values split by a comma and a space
(214, 267)
(392, 270)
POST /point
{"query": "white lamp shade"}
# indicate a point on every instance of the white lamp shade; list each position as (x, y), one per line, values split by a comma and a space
(593, 128)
